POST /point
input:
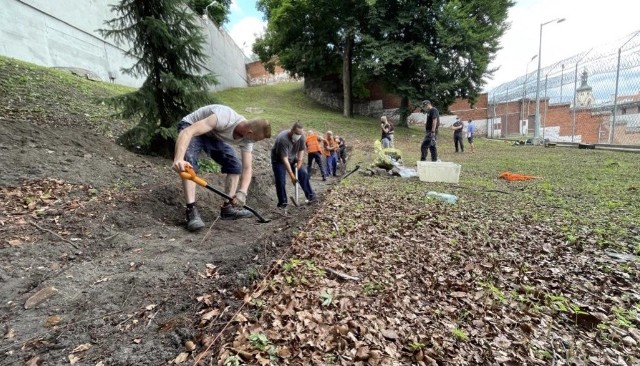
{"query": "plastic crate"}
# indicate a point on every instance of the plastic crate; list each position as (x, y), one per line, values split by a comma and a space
(446, 172)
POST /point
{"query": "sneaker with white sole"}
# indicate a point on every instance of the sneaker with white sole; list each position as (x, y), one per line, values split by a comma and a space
(230, 212)
(194, 222)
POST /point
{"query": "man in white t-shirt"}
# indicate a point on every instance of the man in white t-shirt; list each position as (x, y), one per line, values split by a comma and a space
(211, 129)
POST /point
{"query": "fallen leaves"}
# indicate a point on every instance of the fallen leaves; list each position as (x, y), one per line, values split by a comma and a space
(436, 285)
(42, 200)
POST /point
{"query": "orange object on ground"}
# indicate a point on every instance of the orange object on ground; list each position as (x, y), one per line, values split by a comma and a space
(514, 177)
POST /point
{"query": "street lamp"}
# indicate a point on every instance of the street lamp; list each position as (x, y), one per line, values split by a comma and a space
(615, 96)
(204, 13)
(524, 85)
(536, 131)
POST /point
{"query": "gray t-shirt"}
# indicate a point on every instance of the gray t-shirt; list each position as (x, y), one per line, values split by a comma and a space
(284, 146)
(228, 119)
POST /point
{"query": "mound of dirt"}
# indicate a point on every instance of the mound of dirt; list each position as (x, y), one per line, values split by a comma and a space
(105, 228)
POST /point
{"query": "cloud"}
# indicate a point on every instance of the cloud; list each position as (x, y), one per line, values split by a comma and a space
(586, 26)
(235, 8)
(245, 32)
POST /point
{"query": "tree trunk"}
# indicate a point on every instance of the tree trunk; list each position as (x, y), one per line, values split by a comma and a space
(346, 76)
(404, 111)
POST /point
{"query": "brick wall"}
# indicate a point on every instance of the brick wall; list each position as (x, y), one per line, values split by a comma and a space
(587, 125)
(466, 111)
(258, 75)
(389, 101)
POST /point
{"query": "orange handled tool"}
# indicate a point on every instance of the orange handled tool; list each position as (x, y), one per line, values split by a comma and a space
(191, 175)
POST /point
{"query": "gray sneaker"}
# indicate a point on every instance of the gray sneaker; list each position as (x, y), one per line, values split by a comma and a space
(194, 222)
(229, 212)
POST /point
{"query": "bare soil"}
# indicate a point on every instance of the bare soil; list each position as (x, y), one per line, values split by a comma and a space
(105, 228)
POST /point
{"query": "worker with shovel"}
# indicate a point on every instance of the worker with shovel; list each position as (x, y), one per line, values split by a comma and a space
(211, 129)
(286, 156)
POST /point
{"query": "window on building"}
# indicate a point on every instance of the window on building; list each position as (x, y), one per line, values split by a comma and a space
(624, 111)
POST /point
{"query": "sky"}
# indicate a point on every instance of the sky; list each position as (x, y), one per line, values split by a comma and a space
(588, 24)
(245, 24)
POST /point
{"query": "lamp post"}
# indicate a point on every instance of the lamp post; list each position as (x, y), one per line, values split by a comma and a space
(524, 88)
(536, 130)
(204, 13)
(615, 95)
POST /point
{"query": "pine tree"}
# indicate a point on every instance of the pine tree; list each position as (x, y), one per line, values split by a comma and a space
(166, 41)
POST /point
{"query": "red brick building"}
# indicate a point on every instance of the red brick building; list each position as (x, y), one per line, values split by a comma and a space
(258, 75)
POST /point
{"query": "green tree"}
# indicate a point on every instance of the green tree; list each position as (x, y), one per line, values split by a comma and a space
(166, 42)
(436, 50)
(216, 10)
(313, 38)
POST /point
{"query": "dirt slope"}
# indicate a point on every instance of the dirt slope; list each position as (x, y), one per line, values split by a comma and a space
(104, 227)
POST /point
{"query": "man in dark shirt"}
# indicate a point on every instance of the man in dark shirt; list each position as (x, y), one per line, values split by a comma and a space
(457, 134)
(431, 129)
(288, 149)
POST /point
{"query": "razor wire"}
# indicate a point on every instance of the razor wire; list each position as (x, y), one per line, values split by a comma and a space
(592, 96)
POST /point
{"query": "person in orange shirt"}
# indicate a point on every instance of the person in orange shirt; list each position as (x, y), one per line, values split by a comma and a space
(330, 151)
(314, 152)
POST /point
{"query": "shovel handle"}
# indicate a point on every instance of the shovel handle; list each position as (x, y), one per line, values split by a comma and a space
(190, 174)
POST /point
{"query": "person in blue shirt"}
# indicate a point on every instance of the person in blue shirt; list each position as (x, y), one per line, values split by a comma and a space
(471, 132)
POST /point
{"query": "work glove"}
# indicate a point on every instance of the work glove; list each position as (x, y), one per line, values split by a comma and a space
(240, 199)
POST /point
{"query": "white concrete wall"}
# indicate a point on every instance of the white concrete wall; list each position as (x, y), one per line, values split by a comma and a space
(63, 33)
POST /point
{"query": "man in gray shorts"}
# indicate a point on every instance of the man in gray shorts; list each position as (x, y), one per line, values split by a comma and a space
(211, 129)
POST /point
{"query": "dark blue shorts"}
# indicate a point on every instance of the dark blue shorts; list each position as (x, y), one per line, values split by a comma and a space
(221, 152)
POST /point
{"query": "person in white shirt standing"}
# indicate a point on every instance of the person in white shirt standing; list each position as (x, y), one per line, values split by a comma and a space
(212, 129)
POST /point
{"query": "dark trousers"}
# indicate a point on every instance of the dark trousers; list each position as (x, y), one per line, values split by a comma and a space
(457, 139)
(318, 159)
(428, 144)
(280, 174)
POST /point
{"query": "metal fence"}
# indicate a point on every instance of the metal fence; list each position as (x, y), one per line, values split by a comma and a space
(591, 97)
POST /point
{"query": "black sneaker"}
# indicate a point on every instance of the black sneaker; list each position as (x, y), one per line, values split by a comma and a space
(312, 200)
(194, 222)
(229, 212)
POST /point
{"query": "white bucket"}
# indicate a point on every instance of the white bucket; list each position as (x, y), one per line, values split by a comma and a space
(447, 172)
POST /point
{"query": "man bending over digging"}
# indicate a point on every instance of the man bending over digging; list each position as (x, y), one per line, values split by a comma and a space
(211, 129)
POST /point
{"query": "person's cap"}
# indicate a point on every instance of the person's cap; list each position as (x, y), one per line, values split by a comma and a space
(425, 102)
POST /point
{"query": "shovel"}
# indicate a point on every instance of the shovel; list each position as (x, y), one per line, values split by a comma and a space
(351, 172)
(191, 175)
(295, 200)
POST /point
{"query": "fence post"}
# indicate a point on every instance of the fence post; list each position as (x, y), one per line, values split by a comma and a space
(615, 95)
(575, 94)
(546, 106)
(505, 126)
